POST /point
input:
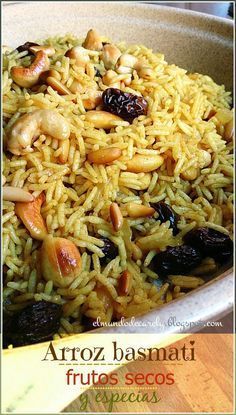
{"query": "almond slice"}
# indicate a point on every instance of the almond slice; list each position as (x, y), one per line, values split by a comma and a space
(30, 215)
(104, 155)
(116, 217)
(137, 211)
(125, 283)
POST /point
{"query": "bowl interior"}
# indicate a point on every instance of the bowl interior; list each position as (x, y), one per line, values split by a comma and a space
(193, 41)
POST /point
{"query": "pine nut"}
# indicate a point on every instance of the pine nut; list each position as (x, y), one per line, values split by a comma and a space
(137, 211)
(143, 164)
(136, 252)
(55, 74)
(229, 131)
(102, 119)
(51, 73)
(104, 155)
(125, 283)
(116, 216)
(16, 194)
(64, 145)
(58, 86)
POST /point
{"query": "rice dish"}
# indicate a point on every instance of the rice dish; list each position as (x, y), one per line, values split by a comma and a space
(129, 159)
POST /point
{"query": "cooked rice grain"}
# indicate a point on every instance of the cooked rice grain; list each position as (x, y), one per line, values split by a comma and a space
(78, 194)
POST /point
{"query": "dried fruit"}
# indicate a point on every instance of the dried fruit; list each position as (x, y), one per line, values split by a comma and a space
(125, 105)
(166, 213)
(60, 261)
(26, 46)
(88, 323)
(29, 213)
(176, 260)
(211, 243)
(35, 323)
(110, 251)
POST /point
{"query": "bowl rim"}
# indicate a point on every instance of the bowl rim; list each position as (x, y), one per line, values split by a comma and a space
(127, 3)
(138, 4)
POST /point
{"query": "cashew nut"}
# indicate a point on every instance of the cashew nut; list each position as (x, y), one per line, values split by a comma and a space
(126, 63)
(80, 55)
(109, 79)
(29, 126)
(127, 60)
(92, 41)
(27, 77)
(49, 50)
(143, 70)
(110, 55)
(94, 99)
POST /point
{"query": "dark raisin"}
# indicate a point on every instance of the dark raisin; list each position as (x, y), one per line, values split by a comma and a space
(176, 260)
(211, 243)
(110, 251)
(165, 213)
(37, 322)
(88, 323)
(26, 46)
(125, 105)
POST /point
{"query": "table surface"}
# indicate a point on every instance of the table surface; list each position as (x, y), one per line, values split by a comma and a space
(205, 385)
